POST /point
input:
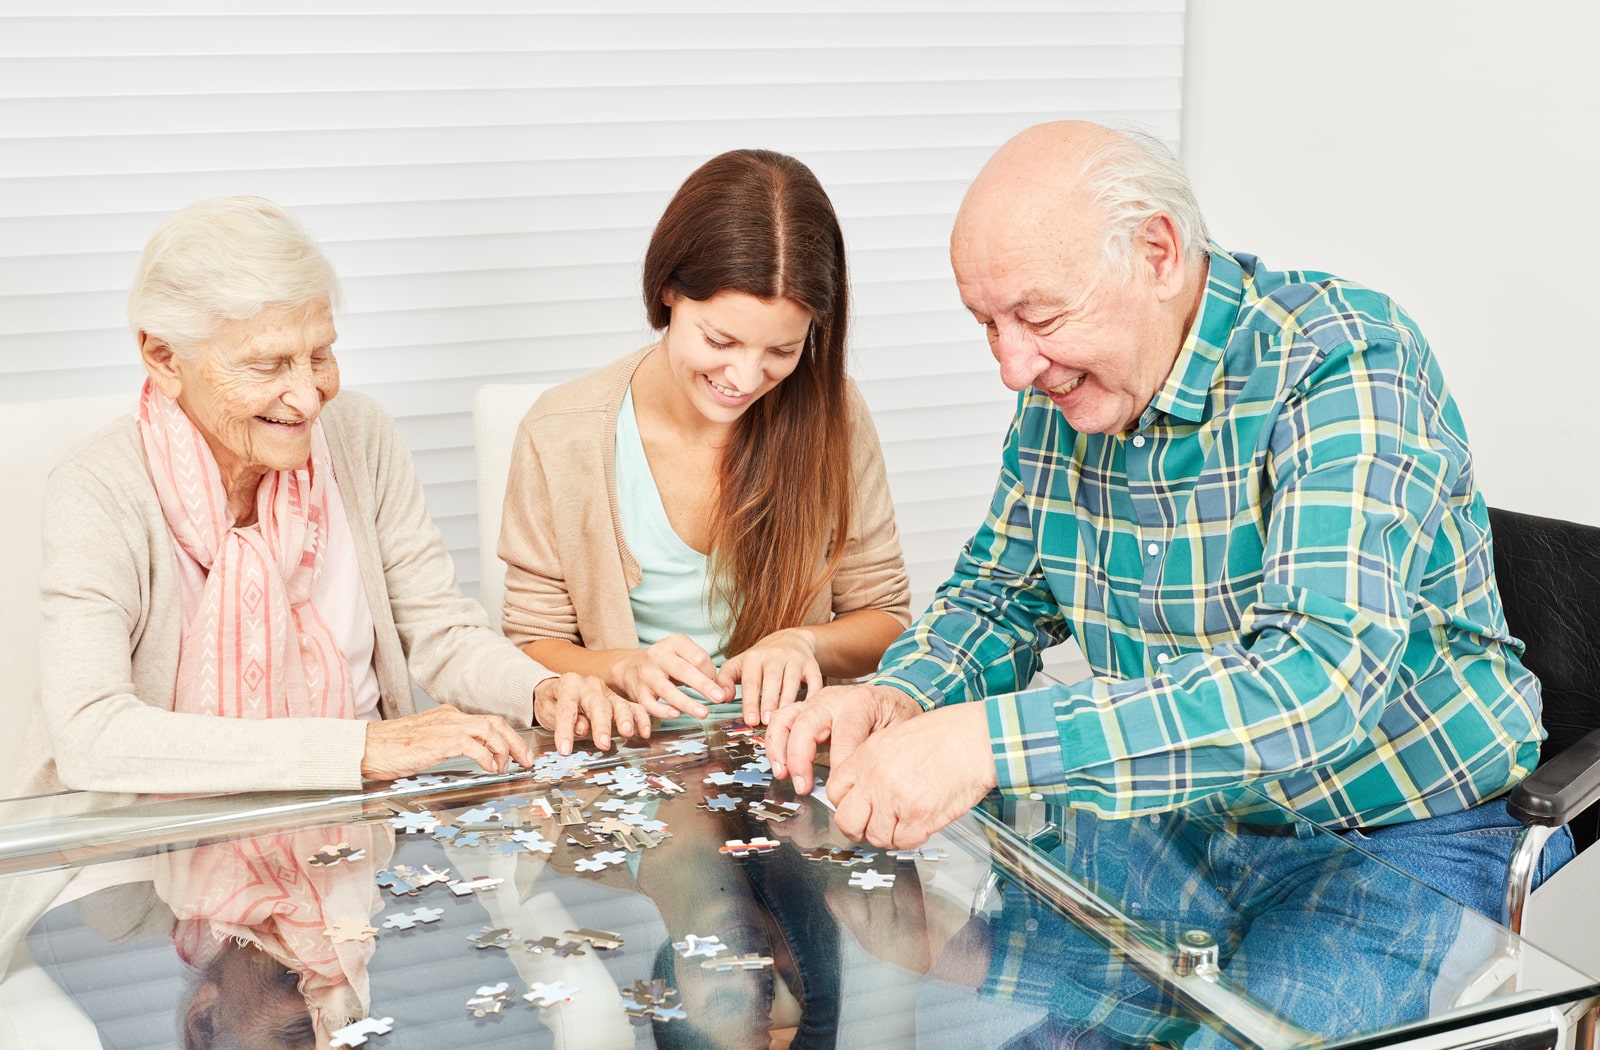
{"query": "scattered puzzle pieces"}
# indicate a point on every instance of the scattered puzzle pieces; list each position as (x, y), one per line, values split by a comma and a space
(773, 811)
(490, 1000)
(461, 887)
(356, 1034)
(405, 920)
(422, 780)
(489, 937)
(644, 1000)
(752, 777)
(750, 961)
(925, 853)
(350, 930)
(687, 747)
(720, 779)
(870, 880)
(410, 823)
(691, 945)
(605, 940)
(548, 993)
(723, 801)
(741, 848)
(330, 855)
(665, 784)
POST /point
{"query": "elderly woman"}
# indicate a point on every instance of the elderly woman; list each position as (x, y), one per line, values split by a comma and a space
(238, 578)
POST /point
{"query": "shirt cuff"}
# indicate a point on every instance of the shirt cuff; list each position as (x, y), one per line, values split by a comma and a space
(1026, 741)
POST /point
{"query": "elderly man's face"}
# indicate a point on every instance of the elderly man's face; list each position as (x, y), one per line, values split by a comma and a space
(255, 387)
(1058, 319)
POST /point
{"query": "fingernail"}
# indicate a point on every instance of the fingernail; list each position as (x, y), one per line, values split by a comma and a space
(626, 728)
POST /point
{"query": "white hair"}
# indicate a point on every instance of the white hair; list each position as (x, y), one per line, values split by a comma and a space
(1133, 178)
(222, 260)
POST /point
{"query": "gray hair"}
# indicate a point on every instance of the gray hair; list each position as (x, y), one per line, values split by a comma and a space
(1133, 178)
(221, 260)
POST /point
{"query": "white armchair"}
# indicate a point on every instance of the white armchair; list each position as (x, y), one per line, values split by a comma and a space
(496, 411)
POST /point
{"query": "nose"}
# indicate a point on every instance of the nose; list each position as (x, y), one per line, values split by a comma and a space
(744, 371)
(301, 394)
(1020, 360)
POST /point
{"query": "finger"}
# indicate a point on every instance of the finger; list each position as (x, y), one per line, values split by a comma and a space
(813, 678)
(750, 678)
(852, 816)
(685, 673)
(641, 721)
(566, 715)
(694, 668)
(622, 712)
(599, 712)
(657, 693)
(801, 753)
(778, 739)
(776, 685)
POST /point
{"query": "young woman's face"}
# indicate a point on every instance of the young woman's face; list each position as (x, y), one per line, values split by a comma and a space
(726, 352)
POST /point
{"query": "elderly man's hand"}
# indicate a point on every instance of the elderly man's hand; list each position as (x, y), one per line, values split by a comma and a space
(401, 747)
(912, 779)
(841, 716)
(575, 705)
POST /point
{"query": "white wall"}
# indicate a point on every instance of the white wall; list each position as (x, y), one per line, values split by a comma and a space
(1442, 151)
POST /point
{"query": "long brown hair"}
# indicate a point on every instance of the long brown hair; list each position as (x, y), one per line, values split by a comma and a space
(758, 222)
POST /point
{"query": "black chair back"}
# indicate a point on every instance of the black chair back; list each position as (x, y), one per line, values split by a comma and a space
(1548, 572)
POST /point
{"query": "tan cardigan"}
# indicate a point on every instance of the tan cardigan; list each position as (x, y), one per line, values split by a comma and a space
(568, 567)
(113, 618)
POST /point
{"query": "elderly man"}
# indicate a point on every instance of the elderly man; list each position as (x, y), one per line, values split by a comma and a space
(1248, 495)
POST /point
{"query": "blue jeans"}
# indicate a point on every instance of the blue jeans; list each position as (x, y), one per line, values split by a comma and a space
(1329, 938)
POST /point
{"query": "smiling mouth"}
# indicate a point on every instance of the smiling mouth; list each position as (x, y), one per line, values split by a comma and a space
(732, 395)
(281, 422)
(1068, 387)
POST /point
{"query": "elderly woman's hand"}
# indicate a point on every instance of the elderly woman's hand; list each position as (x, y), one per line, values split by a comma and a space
(401, 747)
(772, 672)
(574, 705)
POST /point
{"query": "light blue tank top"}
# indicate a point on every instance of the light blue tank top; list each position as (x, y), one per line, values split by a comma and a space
(671, 597)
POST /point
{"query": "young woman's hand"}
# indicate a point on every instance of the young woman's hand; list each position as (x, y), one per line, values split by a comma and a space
(651, 676)
(772, 672)
(579, 705)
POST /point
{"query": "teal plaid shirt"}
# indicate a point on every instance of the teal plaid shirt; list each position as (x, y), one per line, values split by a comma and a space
(1282, 578)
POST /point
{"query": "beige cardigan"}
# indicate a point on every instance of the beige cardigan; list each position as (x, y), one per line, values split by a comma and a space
(113, 617)
(568, 567)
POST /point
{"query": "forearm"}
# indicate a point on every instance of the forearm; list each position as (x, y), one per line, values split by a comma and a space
(851, 645)
(562, 656)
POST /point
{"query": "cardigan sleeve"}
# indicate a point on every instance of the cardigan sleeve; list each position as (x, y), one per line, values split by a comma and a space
(538, 602)
(872, 574)
(95, 598)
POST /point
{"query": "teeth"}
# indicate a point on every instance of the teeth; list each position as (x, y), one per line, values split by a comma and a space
(724, 390)
(1067, 387)
(284, 422)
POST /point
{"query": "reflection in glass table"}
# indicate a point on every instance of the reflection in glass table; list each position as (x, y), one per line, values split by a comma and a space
(674, 896)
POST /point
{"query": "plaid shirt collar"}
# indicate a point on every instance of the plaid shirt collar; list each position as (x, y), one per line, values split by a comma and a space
(1186, 396)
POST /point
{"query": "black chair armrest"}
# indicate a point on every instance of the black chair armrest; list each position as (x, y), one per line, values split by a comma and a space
(1561, 788)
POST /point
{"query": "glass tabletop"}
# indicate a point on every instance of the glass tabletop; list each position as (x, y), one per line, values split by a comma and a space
(674, 895)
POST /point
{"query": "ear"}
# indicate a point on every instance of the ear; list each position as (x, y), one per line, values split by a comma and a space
(1160, 251)
(161, 361)
(199, 1026)
(670, 298)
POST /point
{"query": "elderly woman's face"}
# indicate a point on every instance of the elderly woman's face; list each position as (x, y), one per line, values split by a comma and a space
(255, 387)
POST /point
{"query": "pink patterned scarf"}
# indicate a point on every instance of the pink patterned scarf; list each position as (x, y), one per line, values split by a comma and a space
(253, 645)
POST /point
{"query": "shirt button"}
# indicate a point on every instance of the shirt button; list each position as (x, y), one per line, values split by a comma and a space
(1162, 658)
(1036, 796)
(1153, 548)
(1138, 441)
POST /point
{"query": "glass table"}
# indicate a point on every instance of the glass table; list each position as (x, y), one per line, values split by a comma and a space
(673, 895)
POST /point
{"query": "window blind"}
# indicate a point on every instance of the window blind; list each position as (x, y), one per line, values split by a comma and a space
(485, 179)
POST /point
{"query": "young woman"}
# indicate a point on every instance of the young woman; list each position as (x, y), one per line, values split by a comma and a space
(711, 511)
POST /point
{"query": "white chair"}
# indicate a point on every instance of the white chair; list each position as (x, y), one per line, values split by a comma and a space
(34, 437)
(496, 411)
